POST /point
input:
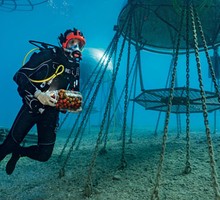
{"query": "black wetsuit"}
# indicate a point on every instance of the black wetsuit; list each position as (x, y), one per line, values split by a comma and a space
(40, 66)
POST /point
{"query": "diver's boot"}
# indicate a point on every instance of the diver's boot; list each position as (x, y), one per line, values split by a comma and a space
(2, 156)
(12, 163)
(7, 147)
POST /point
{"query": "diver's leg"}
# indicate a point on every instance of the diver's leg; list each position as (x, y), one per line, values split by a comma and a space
(7, 147)
(41, 153)
(24, 121)
(21, 126)
(46, 127)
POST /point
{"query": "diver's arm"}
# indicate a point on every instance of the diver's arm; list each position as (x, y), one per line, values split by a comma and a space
(23, 76)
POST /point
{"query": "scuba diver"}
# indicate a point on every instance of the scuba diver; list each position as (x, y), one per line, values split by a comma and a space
(50, 69)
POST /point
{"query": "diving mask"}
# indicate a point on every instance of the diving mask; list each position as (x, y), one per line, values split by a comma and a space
(74, 47)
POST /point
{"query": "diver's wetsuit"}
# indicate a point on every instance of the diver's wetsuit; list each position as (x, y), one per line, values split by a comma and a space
(40, 66)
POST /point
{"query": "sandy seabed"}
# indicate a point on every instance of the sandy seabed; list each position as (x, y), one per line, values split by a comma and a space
(33, 180)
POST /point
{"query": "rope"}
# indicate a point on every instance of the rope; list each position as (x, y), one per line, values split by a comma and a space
(88, 187)
(168, 78)
(187, 169)
(102, 61)
(204, 107)
(204, 4)
(134, 84)
(114, 116)
(123, 163)
(155, 194)
(212, 72)
(105, 136)
(89, 107)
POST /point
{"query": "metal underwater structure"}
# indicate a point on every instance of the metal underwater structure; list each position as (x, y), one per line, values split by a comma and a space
(183, 27)
(20, 5)
(170, 27)
(186, 27)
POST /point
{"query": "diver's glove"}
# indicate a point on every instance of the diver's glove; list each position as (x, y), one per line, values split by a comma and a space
(45, 98)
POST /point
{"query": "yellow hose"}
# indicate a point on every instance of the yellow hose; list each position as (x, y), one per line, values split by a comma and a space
(34, 49)
(57, 73)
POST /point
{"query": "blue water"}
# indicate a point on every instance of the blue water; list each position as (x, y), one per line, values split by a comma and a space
(96, 20)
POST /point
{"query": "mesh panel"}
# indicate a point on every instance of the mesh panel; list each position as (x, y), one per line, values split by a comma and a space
(158, 100)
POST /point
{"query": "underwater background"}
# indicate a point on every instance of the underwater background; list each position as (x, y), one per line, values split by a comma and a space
(96, 19)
